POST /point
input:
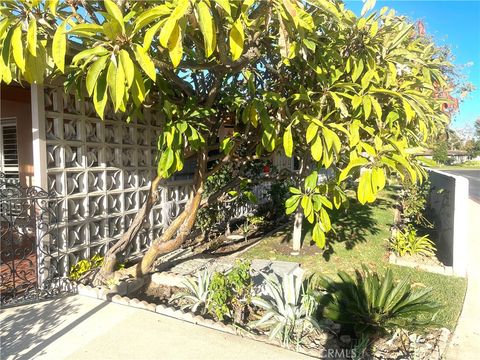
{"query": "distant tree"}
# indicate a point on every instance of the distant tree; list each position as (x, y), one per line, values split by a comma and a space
(440, 153)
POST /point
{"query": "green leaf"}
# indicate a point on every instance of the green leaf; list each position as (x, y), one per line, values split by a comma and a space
(94, 73)
(114, 11)
(32, 37)
(288, 141)
(311, 181)
(138, 88)
(318, 236)
(5, 50)
(150, 15)
(236, 39)
(358, 69)
(145, 62)
(207, 26)
(325, 220)
(100, 95)
(180, 10)
(128, 66)
(59, 46)
(311, 132)
(116, 83)
(96, 51)
(367, 106)
(52, 6)
(352, 164)
(17, 45)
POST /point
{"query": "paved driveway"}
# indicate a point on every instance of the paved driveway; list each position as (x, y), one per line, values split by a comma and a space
(473, 177)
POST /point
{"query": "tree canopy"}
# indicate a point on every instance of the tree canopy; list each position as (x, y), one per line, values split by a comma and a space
(343, 92)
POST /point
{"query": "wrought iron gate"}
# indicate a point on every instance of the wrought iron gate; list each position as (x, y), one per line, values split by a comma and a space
(29, 251)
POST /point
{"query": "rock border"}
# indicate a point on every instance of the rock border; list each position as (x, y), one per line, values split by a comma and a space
(436, 269)
(117, 294)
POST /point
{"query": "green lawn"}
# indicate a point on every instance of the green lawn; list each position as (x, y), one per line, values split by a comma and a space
(471, 164)
(361, 238)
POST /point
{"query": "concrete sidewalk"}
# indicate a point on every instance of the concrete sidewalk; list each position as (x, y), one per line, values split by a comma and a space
(78, 327)
(465, 344)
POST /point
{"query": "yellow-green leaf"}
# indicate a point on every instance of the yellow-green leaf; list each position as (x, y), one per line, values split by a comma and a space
(225, 5)
(317, 149)
(288, 141)
(32, 37)
(167, 30)
(145, 62)
(52, 6)
(17, 44)
(116, 84)
(365, 191)
(207, 26)
(59, 46)
(128, 67)
(236, 40)
(115, 12)
(175, 47)
(311, 132)
(138, 88)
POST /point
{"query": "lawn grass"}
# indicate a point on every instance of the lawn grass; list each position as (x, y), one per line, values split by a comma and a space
(362, 238)
(467, 165)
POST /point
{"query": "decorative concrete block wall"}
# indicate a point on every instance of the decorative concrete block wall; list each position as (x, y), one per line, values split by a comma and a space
(100, 171)
(449, 201)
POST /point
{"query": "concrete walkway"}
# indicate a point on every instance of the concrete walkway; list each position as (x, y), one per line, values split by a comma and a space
(78, 327)
(465, 344)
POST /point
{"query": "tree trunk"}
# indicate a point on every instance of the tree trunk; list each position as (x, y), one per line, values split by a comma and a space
(112, 256)
(180, 227)
(297, 232)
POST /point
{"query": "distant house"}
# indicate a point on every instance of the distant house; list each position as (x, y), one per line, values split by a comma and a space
(457, 156)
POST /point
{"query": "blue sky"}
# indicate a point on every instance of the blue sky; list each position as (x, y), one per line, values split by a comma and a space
(452, 22)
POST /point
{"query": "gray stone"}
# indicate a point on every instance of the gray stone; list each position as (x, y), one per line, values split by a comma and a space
(346, 339)
(134, 284)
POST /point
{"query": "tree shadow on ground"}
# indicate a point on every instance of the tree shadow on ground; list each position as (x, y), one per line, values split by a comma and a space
(351, 226)
(27, 330)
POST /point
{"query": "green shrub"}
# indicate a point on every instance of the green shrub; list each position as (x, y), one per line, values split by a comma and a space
(440, 153)
(230, 294)
(372, 304)
(288, 308)
(83, 266)
(413, 200)
(408, 242)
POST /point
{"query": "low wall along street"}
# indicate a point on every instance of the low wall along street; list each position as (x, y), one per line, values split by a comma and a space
(449, 204)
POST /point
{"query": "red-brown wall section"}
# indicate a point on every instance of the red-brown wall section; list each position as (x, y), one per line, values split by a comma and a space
(16, 102)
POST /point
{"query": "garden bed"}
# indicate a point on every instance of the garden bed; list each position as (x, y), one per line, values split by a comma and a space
(329, 343)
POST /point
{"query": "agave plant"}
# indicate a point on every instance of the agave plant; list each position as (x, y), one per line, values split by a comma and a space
(373, 304)
(288, 308)
(197, 292)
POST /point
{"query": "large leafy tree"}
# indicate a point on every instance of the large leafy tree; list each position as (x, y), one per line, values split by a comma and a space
(347, 93)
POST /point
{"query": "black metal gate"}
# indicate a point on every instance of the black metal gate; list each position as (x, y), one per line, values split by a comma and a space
(29, 251)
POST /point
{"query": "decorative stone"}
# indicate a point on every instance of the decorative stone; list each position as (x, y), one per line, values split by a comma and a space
(151, 307)
(116, 298)
(346, 339)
